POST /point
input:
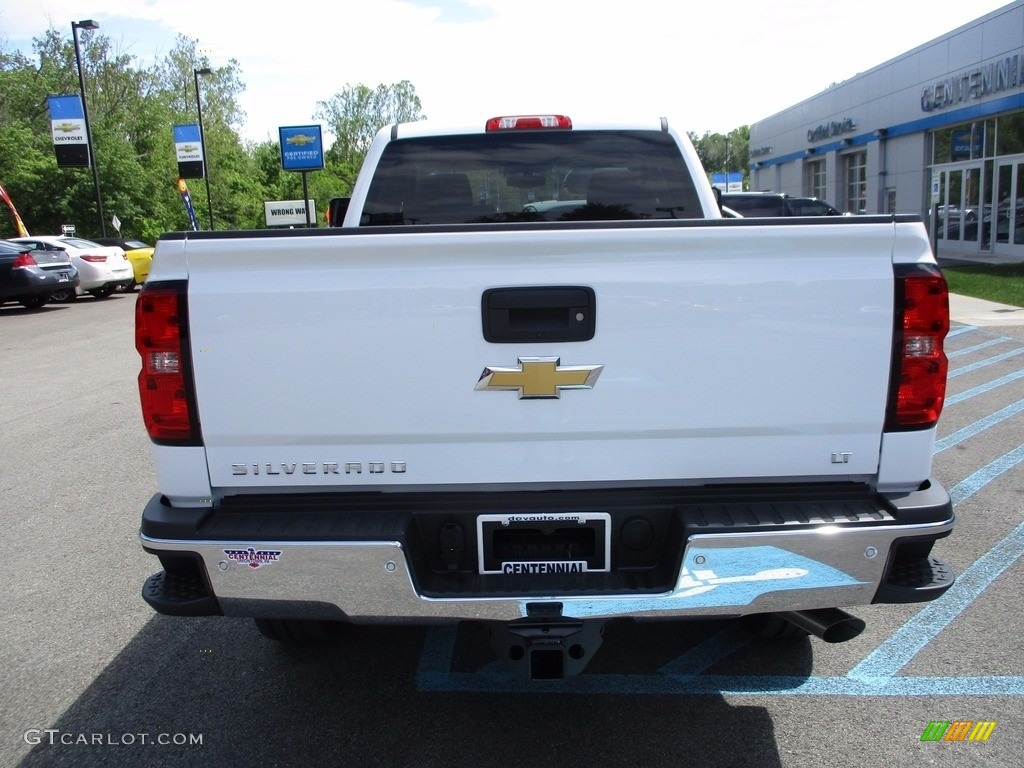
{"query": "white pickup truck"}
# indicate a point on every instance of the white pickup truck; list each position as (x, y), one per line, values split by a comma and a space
(470, 403)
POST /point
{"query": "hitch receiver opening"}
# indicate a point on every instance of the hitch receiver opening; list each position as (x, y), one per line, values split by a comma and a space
(544, 645)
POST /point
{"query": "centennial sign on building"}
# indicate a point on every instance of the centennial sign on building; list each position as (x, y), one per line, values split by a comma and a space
(974, 83)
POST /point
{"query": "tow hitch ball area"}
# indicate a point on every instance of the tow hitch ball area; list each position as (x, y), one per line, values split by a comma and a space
(546, 645)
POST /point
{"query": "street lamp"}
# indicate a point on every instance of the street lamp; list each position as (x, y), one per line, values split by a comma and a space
(202, 139)
(75, 26)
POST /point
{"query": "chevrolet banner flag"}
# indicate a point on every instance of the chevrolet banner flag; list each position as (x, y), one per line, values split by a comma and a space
(188, 145)
(67, 124)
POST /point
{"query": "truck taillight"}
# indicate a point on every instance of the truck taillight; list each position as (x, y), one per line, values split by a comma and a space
(165, 382)
(918, 386)
(527, 122)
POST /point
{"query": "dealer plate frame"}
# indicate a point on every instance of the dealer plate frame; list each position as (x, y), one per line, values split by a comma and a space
(600, 522)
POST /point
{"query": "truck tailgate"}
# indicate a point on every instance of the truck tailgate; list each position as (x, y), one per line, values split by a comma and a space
(721, 353)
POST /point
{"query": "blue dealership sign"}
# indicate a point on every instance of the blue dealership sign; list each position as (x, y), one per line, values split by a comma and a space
(67, 125)
(302, 148)
(728, 182)
(188, 146)
(966, 144)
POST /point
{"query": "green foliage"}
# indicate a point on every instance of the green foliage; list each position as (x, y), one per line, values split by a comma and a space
(1002, 283)
(132, 109)
(356, 113)
(725, 152)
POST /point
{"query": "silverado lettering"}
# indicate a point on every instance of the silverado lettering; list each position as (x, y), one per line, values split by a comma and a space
(314, 468)
(709, 475)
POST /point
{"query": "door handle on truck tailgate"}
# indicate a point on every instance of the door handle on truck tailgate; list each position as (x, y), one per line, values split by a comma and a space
(542, 313)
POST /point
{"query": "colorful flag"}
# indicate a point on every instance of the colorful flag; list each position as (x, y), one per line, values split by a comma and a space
(186, 198)
(18, 223)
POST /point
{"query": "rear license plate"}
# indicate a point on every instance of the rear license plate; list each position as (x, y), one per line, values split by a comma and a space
(556, 543)
(61, 277)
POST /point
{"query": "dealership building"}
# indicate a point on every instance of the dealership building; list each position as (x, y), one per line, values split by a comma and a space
(937, 131)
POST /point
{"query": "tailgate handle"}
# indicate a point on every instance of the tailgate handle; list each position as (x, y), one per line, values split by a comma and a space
(542, 313)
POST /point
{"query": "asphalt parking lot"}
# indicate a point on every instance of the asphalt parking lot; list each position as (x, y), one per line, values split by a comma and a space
(90, 675)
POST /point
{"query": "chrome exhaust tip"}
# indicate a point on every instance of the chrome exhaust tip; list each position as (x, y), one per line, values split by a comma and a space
(832, 625)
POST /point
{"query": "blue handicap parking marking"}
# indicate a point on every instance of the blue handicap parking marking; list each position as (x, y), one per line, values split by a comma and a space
(876, 675)
(740, 576)
(882, 664)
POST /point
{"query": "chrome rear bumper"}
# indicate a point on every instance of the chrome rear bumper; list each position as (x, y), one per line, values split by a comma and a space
(372, 581)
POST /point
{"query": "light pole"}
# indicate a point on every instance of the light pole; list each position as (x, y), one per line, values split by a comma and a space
(202, 139)
(75, 26)
(726, 162)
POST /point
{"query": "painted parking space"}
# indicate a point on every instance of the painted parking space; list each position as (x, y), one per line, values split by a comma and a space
(973, 352)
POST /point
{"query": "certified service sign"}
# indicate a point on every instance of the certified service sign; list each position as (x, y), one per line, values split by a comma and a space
(302, 148)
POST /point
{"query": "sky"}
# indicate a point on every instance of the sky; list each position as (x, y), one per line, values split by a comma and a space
(706, 66)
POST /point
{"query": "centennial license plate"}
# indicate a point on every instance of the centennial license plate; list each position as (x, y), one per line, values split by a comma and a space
(544, 543)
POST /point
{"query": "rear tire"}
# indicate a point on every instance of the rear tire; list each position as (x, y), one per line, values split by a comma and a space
(298, 631)
(35, 302)
(63, 296)
(103, 291)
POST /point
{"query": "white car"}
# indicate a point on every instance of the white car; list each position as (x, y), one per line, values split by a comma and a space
(102, 269)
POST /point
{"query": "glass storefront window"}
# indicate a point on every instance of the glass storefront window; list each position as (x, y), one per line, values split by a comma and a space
(1010, 134)
(816, 179)
(967, 141)
(856, 165)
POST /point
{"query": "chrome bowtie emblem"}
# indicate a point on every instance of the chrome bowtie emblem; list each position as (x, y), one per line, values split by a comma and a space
(539, 377)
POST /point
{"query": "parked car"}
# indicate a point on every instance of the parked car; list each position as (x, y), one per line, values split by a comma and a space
(139, 254)
(31, 276)
(758, 204)
(102, 269)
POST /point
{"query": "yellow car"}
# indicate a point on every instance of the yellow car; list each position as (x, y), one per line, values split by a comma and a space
(137, 252)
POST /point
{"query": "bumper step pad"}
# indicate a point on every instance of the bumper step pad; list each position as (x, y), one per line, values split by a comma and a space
(180, 594)
(915, 580)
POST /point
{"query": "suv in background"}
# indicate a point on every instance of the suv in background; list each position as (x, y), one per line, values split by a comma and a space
(758, 204)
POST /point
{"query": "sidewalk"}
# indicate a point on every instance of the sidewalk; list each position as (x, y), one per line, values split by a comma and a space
(978, 312)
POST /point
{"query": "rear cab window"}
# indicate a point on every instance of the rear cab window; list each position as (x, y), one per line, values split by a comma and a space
(531, 176)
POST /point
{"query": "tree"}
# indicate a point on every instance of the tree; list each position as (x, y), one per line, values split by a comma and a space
(356, 113)
(235, 193)
(132, 109)
(724, 152)
(131, 112)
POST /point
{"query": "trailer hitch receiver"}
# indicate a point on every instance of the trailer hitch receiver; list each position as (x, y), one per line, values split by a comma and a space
(545, 645)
